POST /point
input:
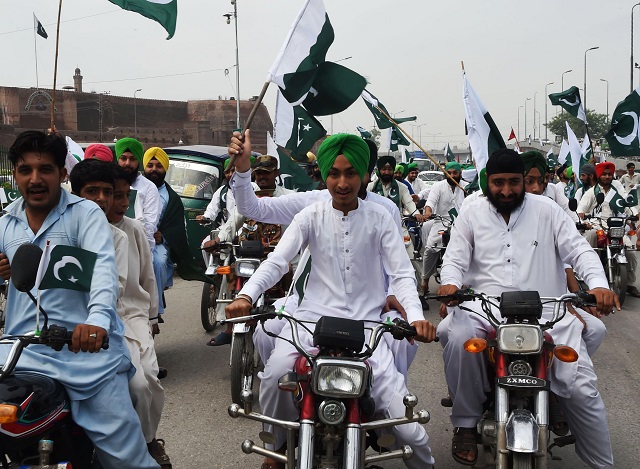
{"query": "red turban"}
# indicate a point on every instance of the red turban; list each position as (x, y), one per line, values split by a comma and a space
(600, 167)
(99, 152)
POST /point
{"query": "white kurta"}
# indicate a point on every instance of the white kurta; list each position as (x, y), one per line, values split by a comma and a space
(406, 202)
(418, 185)
(442, 199)
(554, 193)
(629, 182)
(147, 206)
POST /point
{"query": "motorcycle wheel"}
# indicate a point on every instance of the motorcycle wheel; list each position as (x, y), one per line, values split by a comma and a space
(522, 461)
(242, 366)
(208, 304)
(619, 281)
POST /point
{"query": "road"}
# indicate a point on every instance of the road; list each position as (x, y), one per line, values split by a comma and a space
(200, 434)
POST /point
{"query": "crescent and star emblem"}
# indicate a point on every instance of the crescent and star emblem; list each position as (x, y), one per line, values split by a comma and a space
(63, 262)
(633, 134)
(566, 101)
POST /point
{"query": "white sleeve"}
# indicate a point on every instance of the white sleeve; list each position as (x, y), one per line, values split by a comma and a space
(563, 202)
(407, 201)
(434, 197)
(278, 210)
(587, 202)
(151, 206)
(459, 253)
(213, 207)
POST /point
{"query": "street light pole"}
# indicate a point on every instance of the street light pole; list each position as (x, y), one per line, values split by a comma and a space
(546, 122)
(585, 76)
(525, 117)
(534, 114)
(519, 107)
(135, 115)
(607, 82)
(632, 62)
(235, 22)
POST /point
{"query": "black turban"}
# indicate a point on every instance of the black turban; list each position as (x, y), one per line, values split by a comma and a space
(504, 161)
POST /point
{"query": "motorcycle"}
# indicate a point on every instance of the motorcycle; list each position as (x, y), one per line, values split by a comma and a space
(515, 428)
(445, 236)
(332, 390)
(211, 310)
(36, 428)
(414, 228)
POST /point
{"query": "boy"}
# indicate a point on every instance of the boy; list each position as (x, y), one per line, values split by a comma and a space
(350, 241)
(108, 186)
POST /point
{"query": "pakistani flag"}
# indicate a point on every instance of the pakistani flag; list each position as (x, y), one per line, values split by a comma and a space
(37, 25)
(484, 136)
(381, 118)
(624, 135)
(164, 12)
(293, 176)
(617, 203)
(304, 49)
(8, 195)
(396, 139)
(564, 152)
(575, 151)
(448, 153)
(295, 129)
(67, 267)
(364, 133)
(570, 101)
(333, 89)
(552, 160)
(587, 151)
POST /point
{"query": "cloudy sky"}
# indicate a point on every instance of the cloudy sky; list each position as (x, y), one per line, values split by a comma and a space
(409, 51)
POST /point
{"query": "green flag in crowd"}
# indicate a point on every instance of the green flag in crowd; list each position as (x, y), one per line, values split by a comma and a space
(624, 134)
(617, 203)
(397, 139)
(333, 90)
(293, 176)
(69, 268)
(570, 101)
(295, 129)
(164, 12)
(376, 106)
(448, 153)
(39, 28)
(364, 133)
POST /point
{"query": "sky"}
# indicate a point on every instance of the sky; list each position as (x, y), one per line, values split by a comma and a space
(410, 51)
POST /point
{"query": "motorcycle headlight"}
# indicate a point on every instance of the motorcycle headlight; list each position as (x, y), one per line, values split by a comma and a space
(340, 377)
(519, 338)
(246, 267)
(616, 232)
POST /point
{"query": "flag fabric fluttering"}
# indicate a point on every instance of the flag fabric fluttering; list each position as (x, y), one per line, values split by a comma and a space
(397, 139)
(364, 133)
(624, 135)
(39, 28)
(617, 203)
(293, 176)
(382, 121)
(587, 151)
(66, 267)
(564, 152)
(575, 150)
(552, 160)
(448, 153)
(484, 136)
(570, 101)
(294, 129)
(512, 135)
(304, 49)
(333, 90)
(164, 12)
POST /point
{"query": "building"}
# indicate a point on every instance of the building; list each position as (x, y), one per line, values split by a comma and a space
(103, 117)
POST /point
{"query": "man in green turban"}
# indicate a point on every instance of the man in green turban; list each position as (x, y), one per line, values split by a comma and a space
(417, 184)
(388, 187)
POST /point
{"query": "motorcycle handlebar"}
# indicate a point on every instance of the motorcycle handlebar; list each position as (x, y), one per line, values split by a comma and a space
(56, 337)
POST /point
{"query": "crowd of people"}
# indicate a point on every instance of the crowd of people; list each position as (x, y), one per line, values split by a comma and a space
(515, 233)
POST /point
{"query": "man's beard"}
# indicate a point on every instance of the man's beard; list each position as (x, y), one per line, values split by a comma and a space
(505, 207)
(156, 178)
(386, 178)
(451, 183)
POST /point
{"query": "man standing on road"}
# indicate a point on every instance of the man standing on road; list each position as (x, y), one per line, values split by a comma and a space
(97, 383)
(513, 241)
(631, 179)
(146, 203)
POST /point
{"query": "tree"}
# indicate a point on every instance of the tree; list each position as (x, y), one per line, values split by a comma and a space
(375, 135)
(598, 125)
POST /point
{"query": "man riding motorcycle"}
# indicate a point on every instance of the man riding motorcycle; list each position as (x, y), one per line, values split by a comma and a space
(512, 241)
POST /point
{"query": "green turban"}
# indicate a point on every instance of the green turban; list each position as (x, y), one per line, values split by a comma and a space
(132, 145)
(352, 147)
(534, 159)
(569, 171)
(454, 165)
(399, 167)
(412, 167)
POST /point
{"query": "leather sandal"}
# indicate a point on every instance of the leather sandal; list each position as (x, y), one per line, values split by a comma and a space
(464, 439)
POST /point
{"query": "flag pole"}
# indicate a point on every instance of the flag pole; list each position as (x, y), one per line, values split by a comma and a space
(420, 147)
(55, 71)
(252, 114)
(35, 47)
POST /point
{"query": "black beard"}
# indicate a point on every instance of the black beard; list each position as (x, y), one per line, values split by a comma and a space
(505, 207)
(451, 183)
(386, 178)
(156, 178)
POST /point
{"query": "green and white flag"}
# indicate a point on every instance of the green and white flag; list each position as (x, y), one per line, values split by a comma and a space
(587, 150)
(294, 129)
(483, 134)
(552, 160)
(7, 196)
(564, 152)
(617, 203)
(304, 49)
(293, 176)
(364, 133)
(66, 267)
(448, 153)
(381, 120)
(570, 101)
(624, 135)
(164, 12)
(575, 150)
(397, 139)
(333, 90)
(37, 25)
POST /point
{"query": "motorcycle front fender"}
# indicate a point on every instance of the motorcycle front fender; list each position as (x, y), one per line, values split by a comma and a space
(522, 432)
(620, 258)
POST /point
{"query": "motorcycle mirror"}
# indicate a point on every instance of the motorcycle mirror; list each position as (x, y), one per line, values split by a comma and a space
(573, 204)
(600, 198)
(24, 266)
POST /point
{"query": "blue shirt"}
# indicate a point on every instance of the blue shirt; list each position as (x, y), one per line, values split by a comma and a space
(73, 222)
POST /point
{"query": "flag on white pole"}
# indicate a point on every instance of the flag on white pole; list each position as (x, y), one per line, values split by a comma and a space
(574, 150)
(564, 152)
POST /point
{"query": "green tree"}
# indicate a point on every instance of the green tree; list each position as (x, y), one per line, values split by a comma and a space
(598, 125)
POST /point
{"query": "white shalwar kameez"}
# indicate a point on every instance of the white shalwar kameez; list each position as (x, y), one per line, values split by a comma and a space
(147, 206)
(351, 254)
(281, 210)
(492, 256)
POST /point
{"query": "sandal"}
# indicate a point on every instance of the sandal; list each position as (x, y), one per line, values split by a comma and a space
(221, 339)
(464, 439)
(271, 464)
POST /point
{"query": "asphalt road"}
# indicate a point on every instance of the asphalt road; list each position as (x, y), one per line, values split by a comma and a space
(200, 434)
